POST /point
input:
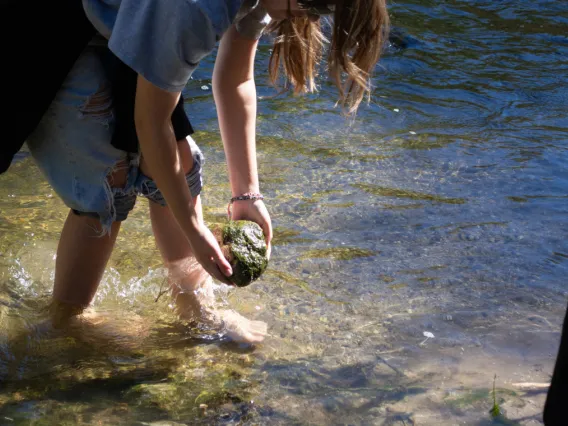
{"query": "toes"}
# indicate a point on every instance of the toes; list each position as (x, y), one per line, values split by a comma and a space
(259, 327)
(256, 338)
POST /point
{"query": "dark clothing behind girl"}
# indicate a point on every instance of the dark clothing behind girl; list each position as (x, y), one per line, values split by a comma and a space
(41, 42)
(556, 407)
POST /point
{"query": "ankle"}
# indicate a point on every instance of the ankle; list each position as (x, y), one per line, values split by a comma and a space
(60, 313)
(187, 276)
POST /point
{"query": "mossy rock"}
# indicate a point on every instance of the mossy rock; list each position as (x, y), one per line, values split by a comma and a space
(243, 245)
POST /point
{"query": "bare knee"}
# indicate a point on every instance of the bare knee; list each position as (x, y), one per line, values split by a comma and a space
(186, 158)
(99, 105)
(118, 177)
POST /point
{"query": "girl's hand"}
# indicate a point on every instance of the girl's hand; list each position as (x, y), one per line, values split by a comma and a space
(255, 211)
(208, 253)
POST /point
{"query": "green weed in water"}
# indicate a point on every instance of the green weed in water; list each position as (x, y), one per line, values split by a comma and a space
(285, 236)
(402, 206)
(338, 253)
(339, 205)
(371, 158)
(387, 278)
(290, 279)
(384, 191)
(495, 410)
(423, 141)
(518, 199)
(328, 152)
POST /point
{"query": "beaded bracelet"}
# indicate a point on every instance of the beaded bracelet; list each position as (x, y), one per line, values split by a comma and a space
(242, 197)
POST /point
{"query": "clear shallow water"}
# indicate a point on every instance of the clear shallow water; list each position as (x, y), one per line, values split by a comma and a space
(442, 208)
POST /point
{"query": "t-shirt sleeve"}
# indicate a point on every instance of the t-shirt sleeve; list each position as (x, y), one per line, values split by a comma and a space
(252, 23)
(162, 40)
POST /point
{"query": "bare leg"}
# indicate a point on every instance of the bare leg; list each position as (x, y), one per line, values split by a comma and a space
(82, 255)
(191, 285)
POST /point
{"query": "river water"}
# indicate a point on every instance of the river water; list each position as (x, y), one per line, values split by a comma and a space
(442, 209)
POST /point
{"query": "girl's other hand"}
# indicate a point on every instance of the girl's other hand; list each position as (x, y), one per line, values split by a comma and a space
(208, 253)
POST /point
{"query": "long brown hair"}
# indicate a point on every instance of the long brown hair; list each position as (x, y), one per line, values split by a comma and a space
(360, 28)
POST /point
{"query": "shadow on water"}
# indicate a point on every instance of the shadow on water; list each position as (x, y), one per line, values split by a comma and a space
(99, 369)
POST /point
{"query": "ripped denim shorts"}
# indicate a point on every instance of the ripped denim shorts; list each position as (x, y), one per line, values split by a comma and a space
(72, 147)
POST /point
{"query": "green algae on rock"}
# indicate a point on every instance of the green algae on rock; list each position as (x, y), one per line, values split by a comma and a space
(243, 245)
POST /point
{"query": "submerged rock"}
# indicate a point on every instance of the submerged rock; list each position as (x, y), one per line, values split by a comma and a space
(243, 245)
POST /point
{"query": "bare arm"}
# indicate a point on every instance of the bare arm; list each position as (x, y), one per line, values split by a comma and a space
(153, 110)
(235, 97)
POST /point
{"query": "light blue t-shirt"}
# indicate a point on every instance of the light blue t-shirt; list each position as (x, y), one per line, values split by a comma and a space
(164, 40)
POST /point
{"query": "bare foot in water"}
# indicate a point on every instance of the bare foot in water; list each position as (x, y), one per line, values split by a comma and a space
(241, 329)
(199, 306)
(99, 328)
